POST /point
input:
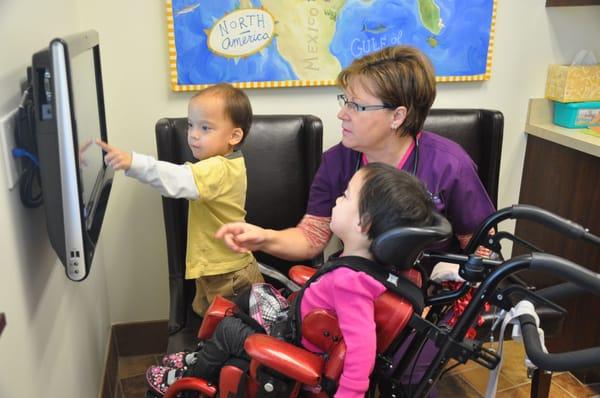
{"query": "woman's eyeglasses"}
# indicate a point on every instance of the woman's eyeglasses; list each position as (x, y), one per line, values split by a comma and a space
(353, 106)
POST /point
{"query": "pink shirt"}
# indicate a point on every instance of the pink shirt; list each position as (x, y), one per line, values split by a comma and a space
(350, 295)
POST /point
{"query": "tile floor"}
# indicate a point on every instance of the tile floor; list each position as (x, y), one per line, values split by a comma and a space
(468, 381)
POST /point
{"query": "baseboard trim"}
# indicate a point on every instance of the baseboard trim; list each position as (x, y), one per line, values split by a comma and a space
(127, 339)
(111, 368)
(139, 338)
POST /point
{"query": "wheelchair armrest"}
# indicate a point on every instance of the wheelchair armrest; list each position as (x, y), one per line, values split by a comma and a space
(219, 309)
(301, 273)
(321, 328)
(285, 358)
(191, 384)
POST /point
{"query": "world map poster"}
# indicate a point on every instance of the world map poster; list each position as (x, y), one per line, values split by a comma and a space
(289, 43)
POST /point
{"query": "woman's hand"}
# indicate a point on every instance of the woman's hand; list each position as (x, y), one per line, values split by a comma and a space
(242, 237)
(115, 158)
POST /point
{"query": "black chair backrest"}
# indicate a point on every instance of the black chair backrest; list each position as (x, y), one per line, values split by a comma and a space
(282, 154)
(479, 132)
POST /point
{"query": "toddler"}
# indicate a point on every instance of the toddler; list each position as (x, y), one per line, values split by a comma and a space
(219, 119)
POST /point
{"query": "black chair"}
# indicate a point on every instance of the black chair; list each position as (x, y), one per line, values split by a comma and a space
(282, 154)
(479, 132)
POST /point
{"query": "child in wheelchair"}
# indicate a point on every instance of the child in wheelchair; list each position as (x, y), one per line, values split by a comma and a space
(378, 198)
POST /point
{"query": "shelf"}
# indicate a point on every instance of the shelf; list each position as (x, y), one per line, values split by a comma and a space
(563, 3)
(539, 123)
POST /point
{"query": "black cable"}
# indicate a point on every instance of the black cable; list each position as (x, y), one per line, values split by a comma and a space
(30, 187)
(448, 369)
(414, 365)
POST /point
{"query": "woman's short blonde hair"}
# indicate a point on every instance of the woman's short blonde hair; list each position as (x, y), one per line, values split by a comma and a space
(398, 76)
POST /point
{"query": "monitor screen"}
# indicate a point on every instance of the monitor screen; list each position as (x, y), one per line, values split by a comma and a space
(69, 113)
(85, 101)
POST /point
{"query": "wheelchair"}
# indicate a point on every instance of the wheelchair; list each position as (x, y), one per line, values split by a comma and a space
(280, 369)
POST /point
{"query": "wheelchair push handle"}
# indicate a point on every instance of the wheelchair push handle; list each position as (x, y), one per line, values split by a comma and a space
(551, 220)
(566, 361)
(566, 269)
(572, 360)
(533, 213)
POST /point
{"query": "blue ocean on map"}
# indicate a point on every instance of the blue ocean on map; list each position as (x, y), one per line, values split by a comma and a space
(460, 48)
(196, 64)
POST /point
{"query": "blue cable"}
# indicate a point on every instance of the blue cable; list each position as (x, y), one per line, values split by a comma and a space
(22, 153)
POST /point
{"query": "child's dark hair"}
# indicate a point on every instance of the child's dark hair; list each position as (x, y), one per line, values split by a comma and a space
(392, 198)
(237, 105)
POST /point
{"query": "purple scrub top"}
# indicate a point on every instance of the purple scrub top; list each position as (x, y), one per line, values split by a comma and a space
(445, 168)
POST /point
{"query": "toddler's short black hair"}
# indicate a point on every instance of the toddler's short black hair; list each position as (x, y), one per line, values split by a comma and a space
(237, 105)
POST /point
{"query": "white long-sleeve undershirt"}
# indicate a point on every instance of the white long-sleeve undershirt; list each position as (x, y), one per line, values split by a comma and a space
(171, 180)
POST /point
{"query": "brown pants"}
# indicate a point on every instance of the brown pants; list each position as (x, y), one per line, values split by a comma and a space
(227, 285)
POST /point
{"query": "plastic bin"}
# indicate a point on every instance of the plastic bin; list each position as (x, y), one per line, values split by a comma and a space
(577, 114)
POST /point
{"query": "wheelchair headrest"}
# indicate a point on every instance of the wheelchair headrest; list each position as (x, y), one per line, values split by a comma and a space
(400, 247)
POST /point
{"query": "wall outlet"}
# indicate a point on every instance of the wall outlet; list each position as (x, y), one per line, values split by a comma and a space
(7, 143)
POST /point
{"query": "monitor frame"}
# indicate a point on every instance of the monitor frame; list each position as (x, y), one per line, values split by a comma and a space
(73, 226)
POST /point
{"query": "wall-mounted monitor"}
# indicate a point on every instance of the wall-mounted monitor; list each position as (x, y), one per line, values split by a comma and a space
(69, 116)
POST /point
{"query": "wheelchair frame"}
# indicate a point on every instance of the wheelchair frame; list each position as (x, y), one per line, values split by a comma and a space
(487, 274)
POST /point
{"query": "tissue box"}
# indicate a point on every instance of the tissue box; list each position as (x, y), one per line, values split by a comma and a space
(577, 114)
(575, 83)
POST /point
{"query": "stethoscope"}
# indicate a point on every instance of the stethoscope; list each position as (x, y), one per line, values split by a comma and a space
(436, 198)
(415, 164)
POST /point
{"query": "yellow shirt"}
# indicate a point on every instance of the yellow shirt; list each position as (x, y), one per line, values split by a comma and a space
(221, 183)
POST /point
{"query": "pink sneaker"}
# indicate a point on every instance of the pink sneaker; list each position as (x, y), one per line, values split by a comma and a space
(179, 360)
(159, 378)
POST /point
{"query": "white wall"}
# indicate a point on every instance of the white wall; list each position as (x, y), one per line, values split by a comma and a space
(57, 330)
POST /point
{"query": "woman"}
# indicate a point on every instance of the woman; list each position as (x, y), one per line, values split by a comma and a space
(386, 98)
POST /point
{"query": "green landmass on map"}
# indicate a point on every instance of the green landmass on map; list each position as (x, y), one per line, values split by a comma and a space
(429, 12)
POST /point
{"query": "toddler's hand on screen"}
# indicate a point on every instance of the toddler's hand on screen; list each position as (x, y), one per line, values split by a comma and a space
(115, 158)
